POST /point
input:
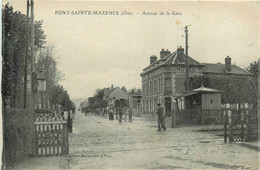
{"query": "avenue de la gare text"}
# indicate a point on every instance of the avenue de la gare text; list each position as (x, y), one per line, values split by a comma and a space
(114, 13)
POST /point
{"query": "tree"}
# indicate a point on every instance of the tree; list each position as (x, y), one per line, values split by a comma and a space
(58, 95)
(236, 89)
(13, 52)
(46, 62)
(253, 68)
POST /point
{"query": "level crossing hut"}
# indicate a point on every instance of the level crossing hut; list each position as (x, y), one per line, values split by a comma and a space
(202, 106)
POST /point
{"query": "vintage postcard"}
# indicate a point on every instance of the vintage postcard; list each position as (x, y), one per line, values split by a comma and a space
(130, 84)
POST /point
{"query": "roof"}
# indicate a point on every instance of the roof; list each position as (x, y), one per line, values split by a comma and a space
(190, 93)
(118, 93)
(176, 58)
(202, 89)
(179, 58)
(220, 69)
(207, 90)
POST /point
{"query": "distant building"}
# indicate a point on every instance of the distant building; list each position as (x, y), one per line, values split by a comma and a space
(134, 100)
(114, 95)
(164, 79)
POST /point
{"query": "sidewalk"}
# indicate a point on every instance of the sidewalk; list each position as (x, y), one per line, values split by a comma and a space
(98, 143)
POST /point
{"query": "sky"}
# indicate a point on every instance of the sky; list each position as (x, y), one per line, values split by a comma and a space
(96, 51)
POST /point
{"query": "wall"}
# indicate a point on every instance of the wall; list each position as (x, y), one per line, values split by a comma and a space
(18, 134)
(180, 83)
(216, 101)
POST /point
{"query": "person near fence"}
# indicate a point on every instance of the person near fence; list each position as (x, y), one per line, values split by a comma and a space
(161, 117)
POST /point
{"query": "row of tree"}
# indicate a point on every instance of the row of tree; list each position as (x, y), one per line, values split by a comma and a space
(14, 29)
(97, 101)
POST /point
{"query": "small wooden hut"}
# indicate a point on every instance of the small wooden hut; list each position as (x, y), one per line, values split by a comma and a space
(202, 105)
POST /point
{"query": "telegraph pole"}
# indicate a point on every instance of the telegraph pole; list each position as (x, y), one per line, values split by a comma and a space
(32, 36)
(26, 56)
(187, 54)
(33, 75)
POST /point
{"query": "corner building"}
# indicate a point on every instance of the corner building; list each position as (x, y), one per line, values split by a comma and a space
(164, 79)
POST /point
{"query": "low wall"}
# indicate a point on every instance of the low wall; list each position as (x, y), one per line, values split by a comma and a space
(18, 134)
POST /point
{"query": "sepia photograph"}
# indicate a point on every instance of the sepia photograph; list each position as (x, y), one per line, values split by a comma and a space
(130, 85)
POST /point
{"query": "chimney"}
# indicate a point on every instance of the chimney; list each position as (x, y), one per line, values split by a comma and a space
(180, 49)
(112, 86)
(153, 59)
(164, 53)
(228, 64)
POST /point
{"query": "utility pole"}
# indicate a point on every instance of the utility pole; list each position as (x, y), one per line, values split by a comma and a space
(187, 87)
(26, 57)
(33, 74)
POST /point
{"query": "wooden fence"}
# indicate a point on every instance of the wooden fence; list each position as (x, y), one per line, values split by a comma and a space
(198, 116)
(211, 116)
(51, 135)
(240, 125)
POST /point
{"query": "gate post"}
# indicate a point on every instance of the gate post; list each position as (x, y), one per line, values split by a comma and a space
(173, 114)
(242, 126)
(225, 126)
(65, 139)
(230, 126)
(247, 128)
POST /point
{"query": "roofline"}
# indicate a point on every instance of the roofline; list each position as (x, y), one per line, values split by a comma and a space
(233, 66)
(249, 75)
(148, 71)
(189, 65)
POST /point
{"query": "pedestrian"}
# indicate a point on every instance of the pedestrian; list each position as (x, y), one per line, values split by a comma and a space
(161, 117)
(117, 109)
(130, 114)
(120, 110)
(111, 114)
(126, 113)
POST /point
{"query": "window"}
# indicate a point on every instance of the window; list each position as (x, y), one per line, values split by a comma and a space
(168, 84)
(155, 104)
(143, 89)
(150, 109)
(147, 88)
(160, 83)
(211, 101)
(155, 86)
(151, 86)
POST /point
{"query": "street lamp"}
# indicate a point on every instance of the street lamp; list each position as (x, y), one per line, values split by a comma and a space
(41, 80)
(41, 88)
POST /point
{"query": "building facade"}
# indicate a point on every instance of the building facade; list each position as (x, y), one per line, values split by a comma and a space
(165, 78)
(112, 95)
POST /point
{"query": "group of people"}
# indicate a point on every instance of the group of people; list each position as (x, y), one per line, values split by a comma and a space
(127, 112)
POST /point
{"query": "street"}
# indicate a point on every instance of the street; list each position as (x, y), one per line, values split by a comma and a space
(98, 143)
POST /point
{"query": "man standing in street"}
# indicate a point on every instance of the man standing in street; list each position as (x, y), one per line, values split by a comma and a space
(130, 114)
(161, 117)
(120, 110)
